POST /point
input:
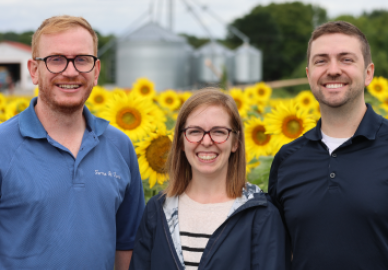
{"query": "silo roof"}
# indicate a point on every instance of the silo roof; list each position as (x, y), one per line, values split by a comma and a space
(246, 48)
(214, 47)
(154, 32)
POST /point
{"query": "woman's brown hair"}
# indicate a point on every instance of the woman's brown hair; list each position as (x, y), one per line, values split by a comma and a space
(179, 168)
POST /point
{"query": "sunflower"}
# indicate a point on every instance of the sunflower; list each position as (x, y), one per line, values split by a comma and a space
(378, 87)
(3, 100)
(257, 142)
(169, 99)
(16, 106)
(132, 116)
(119, 92)
(98, 97)
(251, 162)
(152, 154)
(240, 100)
(144, 87)
(287, 122)
(36, 91)
(261, 92)
(306, 100)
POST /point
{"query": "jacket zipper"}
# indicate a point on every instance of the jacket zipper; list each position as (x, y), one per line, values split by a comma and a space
(233, 214)
(165, 233)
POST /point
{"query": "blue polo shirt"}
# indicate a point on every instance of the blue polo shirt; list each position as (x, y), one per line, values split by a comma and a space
(61, 212)
(335, 207)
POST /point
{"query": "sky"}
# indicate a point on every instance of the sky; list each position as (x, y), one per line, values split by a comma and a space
(120, 17)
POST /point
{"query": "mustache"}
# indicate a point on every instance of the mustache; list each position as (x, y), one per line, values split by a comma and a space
(334, 79)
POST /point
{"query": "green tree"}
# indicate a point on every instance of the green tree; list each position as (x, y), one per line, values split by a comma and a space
(281, 31)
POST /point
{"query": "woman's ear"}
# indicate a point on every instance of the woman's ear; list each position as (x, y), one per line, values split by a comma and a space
(235, 145)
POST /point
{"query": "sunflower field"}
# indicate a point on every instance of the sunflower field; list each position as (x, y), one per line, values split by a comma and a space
(148, 118)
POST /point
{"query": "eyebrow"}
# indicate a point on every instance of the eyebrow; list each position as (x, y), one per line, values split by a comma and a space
(209, 129)
(340, 54)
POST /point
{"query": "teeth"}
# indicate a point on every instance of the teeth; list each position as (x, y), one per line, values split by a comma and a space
(207, 157)
(69, 86)
(334, 86)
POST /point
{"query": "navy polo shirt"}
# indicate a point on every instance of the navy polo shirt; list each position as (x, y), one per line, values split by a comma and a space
(335, 207)
(61, 212)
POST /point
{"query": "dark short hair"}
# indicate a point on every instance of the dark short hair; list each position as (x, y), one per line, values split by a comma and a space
(178, 166)
(342, 28)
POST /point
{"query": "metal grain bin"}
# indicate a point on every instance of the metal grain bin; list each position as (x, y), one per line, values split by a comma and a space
(219, 57)
(155, 53)
(247, 65)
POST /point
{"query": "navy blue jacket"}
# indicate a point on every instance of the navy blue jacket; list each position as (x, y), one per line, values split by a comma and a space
(253, 237)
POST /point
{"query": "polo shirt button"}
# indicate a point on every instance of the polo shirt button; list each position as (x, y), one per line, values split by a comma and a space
(332, 175)
(334, 155)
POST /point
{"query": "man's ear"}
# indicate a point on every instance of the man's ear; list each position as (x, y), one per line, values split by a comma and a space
(369, 73)
(34, 72)
(97, 71)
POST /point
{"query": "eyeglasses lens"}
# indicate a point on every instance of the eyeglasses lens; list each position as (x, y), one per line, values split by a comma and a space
(57, 63)
(218, 135)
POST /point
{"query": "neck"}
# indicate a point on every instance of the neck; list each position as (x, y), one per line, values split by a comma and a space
(208, 189)
(342, 122)
(65, 128)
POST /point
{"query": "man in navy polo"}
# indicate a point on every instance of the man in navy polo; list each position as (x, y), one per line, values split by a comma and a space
(331, 185)
(70, 190)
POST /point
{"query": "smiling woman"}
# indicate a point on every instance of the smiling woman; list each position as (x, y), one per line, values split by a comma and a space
(207, 199)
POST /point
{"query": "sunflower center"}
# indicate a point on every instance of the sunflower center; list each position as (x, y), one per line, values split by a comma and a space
(128, 118)
(259, 136)
(99, 99)
(292, 127)
(378, 88)
(238, 103)
(157, 152)
(261, 92)
(145, 90)
(306, 101)
(169, 100)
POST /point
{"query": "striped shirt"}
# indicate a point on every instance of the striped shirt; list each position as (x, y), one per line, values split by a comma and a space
(197, 222)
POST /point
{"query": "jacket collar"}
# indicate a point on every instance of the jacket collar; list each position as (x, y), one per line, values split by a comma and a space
(170, 208)
(368, 127)
(30, 126)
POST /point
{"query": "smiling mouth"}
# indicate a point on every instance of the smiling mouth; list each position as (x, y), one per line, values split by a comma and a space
(334, 85)
(69, 86)
(207, 157)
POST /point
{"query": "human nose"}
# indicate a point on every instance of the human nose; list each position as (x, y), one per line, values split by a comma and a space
(334, 69)
(70, 70)
(207, 140)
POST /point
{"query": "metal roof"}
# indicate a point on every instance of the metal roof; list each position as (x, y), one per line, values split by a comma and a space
(214, 47)
(154, 32)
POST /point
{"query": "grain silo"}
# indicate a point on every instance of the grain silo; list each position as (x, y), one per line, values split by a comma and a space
(155, 53)
(211, 59)
(247, 65)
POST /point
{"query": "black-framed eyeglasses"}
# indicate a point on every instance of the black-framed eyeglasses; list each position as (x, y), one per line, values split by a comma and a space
(58, 63)
(217, 134)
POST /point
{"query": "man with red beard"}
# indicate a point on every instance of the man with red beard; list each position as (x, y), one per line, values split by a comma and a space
(71, 195)
(331, 185)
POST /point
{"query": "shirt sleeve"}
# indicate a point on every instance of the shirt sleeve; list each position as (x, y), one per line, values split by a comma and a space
(130, 212)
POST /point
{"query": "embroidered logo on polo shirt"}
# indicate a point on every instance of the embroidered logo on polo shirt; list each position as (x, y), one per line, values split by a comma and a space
(108, 174)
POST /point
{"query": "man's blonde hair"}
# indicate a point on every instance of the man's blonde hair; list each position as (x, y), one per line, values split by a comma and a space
(58, 24)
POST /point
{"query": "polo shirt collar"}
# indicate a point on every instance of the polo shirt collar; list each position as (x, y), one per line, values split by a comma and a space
(368, 127)
(30, 126)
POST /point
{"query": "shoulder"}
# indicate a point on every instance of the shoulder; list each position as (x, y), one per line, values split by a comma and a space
(117, 137)
(383, 131)
(10, 136)
(120, 141)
